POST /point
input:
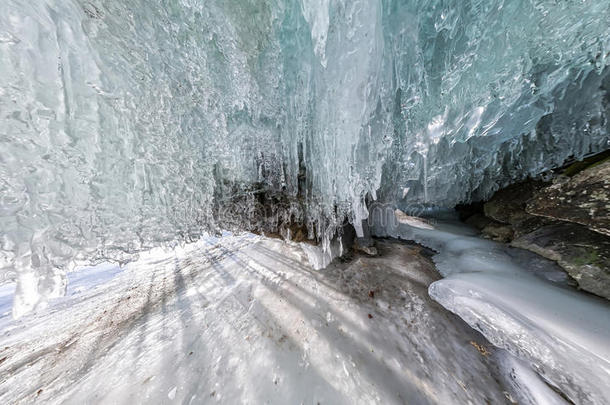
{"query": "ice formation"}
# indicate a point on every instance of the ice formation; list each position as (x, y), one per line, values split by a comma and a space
(560, 333)
(127, 124)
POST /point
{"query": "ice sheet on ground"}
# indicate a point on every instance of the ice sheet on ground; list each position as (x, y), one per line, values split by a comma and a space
(528, 310)
(527, 386)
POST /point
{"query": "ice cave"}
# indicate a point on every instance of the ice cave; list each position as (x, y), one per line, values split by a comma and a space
(305, 202)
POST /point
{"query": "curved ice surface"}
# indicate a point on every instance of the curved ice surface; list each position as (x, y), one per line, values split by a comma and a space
(561, 333)
(518, 305)
(128, 124)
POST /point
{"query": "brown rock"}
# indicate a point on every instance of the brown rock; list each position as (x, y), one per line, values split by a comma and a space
(498, 232)
(530, 223)
(369, 250)
(508, 205)
(582, 199)
(478, 221)
(584, 254)
(298, 232)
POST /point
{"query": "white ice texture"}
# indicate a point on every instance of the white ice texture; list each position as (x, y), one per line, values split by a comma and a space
(518, 305)
(127, 124)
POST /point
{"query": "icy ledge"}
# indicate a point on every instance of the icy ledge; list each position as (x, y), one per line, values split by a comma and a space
(561, 333)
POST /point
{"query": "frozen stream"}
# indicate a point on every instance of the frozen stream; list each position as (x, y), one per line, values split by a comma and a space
(520, 302)
(243, 320)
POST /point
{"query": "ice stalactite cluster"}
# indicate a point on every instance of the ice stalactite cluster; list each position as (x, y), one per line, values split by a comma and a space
(128, 124)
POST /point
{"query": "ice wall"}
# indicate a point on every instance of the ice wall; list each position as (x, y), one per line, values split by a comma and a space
(128, 124)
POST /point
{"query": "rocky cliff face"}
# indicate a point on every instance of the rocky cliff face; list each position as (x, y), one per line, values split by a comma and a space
(582, 199)
(566, 219)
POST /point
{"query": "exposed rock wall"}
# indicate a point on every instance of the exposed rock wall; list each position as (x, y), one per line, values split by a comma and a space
(566, 220)
(583, 199)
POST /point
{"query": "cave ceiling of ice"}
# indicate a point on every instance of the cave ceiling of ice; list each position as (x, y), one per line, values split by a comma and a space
(126, 124)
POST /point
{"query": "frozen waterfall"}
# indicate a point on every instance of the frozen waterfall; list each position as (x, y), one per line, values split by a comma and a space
(131, 124)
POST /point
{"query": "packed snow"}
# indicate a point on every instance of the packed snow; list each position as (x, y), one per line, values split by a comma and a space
(244, 319)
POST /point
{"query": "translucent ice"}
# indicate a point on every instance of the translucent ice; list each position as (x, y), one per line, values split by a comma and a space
(561, 333)
(127, 124)
(519, 306)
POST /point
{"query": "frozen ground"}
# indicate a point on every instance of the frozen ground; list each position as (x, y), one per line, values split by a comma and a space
(243, 320)
(520, 303)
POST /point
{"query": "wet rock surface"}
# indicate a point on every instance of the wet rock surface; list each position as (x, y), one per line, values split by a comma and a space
(566, 220)
(498, 232)
(585, 255)
(508, 205)
(582, 199)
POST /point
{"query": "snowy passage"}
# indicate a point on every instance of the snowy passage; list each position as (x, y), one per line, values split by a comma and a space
(241, 319)
(132, 130)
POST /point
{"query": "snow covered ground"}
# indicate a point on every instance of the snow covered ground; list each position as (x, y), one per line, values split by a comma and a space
(244, 319)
